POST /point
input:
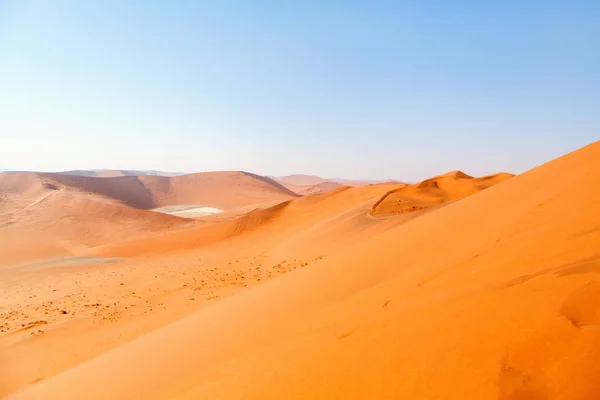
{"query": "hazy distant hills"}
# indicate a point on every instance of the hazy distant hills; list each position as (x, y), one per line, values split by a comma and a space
(105, 173)
(298, 183)
(111, 173)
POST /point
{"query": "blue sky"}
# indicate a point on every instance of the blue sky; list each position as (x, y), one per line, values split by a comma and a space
(356, 89)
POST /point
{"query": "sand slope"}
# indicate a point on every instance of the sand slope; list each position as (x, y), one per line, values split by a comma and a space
(53, 215)
(223, 189)
(494, 296)
(433, 192)
(292, 227)
(39, 218)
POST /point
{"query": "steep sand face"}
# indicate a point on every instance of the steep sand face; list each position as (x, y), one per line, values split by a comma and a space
(433, 192)
(127, 190)
(494, 296)
(214, 189)
(224, 190)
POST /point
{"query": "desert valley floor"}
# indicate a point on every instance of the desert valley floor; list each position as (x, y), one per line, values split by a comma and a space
(452, 288)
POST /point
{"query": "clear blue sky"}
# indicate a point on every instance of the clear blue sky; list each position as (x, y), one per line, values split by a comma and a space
(356, 89)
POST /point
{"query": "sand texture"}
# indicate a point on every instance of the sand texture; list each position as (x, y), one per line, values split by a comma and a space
(455, 288)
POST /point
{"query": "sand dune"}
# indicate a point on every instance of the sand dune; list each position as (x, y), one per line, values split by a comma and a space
(53, 223)
(492, 296)
(322, 187)
(224, 190)
(300, 180)
(307, 184)
(274, 227)
(212, 189)
(304, 181)
(433, 192)
(64, 215)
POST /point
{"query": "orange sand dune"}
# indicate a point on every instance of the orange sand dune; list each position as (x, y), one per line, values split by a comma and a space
(48, 222)
(432, 192)
(277, 225)
(273, 241)
(66, 215)
(223, 190)
(215, 189)
(495, 296)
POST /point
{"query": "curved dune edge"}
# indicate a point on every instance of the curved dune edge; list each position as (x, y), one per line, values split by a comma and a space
(220, 189)
(433, 192)
(492, 297)
(291, 218)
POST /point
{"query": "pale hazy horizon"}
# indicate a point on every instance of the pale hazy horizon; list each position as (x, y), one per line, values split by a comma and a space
(371, 90)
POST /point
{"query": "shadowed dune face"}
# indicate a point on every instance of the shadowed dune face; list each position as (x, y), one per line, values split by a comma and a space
(213, 189)
(493, 296)
(224, 190)
(52, 215)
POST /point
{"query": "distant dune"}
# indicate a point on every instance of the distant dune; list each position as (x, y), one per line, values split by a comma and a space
(299, 180)
(322, 187)
(455, 288)
(111, 173)
(310, 184)
(68, 215)
(309, 180)
(42, 217)
(215, 189)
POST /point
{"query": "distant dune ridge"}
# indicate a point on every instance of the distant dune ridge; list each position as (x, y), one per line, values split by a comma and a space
(311, 184)
(219, 189)
(63, 213)
(456, 288)
(111, 173)
(307, 180)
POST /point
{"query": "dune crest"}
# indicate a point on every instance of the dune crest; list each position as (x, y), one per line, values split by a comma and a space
(433, 192)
